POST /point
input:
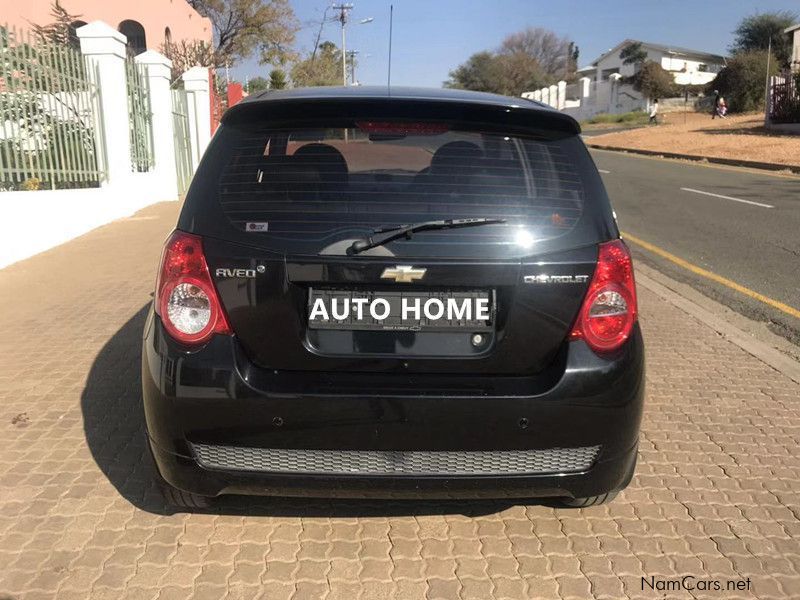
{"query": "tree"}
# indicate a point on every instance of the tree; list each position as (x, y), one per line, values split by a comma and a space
(653, 81)
(633, 54)
(573, 53)
(754, 33)
(186, 54)
(741, 82)
(257, 84)
(481, 73)
(277, 79)
(521, 72)
(60, 31)
(324, 69)
(526, 60)
(243, 27)
(541, 45)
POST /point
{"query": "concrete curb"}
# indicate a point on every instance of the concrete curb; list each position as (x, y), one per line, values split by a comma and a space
(765, 349)
(733, 162)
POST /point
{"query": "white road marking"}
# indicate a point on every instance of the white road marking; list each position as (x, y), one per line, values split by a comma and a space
(728, 198)
(603, 171)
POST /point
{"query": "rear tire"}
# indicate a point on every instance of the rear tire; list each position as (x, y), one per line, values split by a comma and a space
(588, 500)
(181, 499)
(172, 495)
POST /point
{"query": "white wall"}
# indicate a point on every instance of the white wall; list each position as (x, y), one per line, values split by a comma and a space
(32, 222)
(594, 97)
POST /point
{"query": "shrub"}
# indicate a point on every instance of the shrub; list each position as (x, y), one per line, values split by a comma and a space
(653, 81)
(31, 183)
(742, 81)
(629, 117)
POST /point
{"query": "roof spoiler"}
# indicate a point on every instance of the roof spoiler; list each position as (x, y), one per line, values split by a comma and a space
(523, 114)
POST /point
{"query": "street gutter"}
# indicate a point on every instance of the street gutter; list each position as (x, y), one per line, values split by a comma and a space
(734, 162)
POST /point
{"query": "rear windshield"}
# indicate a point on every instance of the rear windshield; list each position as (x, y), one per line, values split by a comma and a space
(311, 189)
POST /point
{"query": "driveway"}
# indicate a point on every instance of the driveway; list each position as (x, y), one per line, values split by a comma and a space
(716, 497)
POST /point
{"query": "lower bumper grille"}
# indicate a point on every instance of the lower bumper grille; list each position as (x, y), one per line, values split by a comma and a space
(415, 462)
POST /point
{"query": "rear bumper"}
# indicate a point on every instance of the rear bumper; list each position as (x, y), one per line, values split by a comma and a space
(219, 425)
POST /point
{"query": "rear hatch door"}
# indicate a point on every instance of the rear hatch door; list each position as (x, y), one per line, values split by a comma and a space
(281, 200)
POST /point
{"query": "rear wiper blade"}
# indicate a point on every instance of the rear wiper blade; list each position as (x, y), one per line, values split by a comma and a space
(395, 233)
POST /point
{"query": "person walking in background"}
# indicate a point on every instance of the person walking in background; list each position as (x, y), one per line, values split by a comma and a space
(654, 112)
(715, 106)
(722, 108)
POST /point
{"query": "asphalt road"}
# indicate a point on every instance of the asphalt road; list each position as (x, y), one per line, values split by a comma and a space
(738, 224)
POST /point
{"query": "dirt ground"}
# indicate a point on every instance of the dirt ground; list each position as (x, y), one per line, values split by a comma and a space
(740, 136)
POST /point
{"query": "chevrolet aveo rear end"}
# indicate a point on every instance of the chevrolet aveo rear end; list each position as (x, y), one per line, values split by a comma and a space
(394, 295)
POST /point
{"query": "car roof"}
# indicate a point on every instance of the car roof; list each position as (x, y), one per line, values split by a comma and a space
(401, 94)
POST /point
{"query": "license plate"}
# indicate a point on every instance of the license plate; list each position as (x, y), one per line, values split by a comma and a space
(359, 310)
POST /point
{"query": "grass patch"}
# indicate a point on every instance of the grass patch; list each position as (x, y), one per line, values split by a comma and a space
(628, 118)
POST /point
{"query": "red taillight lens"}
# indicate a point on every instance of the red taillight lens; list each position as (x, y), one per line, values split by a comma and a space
(186, 299)
(609, 309)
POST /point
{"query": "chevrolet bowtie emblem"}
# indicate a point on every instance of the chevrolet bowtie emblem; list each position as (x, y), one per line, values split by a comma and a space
(403, 273)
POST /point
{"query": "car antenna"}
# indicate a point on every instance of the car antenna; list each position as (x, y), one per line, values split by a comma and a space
(389, 75)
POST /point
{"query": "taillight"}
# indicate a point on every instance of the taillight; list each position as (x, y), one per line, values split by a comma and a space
(186, 299)
(609, 310)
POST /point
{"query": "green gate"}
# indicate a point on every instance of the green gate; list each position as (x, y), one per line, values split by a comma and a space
(183, 146)
(140, 117)
(48, 115)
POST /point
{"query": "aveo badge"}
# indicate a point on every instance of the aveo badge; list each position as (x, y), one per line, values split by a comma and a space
(229, 272)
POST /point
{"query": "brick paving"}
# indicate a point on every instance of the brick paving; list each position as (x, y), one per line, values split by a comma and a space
(716, 495)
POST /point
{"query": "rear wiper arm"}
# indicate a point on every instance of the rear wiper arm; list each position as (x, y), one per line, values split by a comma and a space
(395, 233)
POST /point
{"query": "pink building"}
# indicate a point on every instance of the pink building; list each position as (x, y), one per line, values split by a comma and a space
(146, 23)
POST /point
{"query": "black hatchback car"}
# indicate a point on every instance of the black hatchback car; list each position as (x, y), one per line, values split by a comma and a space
(394, 293)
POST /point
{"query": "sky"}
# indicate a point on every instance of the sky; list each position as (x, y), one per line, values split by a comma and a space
(432, 37)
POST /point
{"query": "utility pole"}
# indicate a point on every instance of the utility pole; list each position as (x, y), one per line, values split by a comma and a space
(766, 84)
(344, 10)
(389, 66)
(351, 56)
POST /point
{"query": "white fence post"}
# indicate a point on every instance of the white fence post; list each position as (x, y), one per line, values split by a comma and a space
(553, 96)
(585, 85)
(546, 95)
(157, 69)
(195, 82)
(561, 103)
(104, 49)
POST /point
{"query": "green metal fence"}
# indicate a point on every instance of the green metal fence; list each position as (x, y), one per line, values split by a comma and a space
(182, 136)
(48, 115)
(140, 117)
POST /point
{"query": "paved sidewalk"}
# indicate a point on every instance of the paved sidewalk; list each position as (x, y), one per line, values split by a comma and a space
(716, 495)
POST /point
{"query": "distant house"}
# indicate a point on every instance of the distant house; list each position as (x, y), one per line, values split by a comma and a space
(688, 67)
(794, 32)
